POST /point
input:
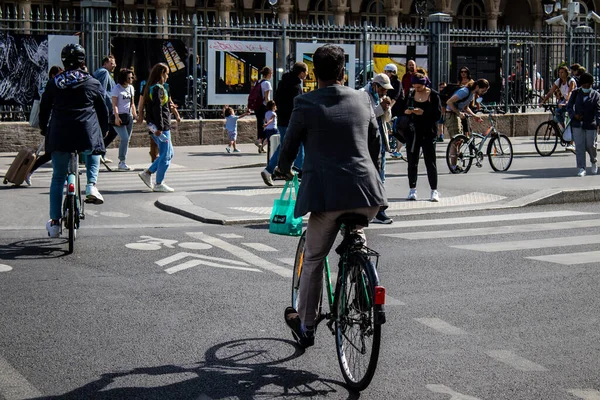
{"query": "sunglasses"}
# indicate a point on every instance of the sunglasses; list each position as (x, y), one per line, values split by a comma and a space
(463, 72)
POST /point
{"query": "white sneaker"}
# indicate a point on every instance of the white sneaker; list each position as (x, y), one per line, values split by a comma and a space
(581, 172)
(412, 195)
(594, 169)
(28, 179)
(123, 166)
(92, 195)
(570, 148)
(146, 177)
(53, 230)
(162, 187)
(435, 196)
(106, 160)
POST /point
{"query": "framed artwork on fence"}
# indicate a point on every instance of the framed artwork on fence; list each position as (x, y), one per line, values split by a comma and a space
(233, 68)
(384, 54)
(304, 53)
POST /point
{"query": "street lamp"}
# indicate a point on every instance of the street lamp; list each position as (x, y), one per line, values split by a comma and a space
(273, 3)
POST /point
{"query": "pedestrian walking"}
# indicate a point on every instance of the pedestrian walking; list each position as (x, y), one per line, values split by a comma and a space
(231, 121)
(381, 105)
(340, 175)
(79, 117)
(584, 111)
(425, 110)
(396, 95)
(124, 112)
(564, 87)
(158, 118)
(266, 91)
(104, 75)
(411, 69)
(289, 87)
(47, 156)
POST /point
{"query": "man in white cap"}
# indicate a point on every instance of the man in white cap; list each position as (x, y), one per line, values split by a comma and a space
(397, 96)
(382, 106)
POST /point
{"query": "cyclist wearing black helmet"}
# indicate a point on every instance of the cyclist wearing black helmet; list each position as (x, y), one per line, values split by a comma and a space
(79, 120)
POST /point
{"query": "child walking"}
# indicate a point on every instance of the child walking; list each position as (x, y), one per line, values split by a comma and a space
(270, 124)
(231, 127)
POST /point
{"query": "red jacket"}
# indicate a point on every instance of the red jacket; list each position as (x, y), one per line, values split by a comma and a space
(407, 83)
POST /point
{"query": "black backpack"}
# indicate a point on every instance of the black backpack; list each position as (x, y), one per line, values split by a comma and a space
(448, 92)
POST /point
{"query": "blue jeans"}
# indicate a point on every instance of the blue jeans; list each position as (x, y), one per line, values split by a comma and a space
(275, 158)
(60, 168)
(124, 132)
(559, 115)
(165, 154)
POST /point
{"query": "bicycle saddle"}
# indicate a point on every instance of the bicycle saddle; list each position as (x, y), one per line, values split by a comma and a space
(352, 220)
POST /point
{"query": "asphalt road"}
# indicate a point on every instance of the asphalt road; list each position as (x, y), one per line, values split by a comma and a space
(481, 305)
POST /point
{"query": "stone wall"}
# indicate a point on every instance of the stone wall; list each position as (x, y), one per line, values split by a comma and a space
(17, 135)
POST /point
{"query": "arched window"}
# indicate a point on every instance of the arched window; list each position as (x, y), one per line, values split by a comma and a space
(471, 15)
(263, 11)
(319, 12)
(373, 13)
(584, 9)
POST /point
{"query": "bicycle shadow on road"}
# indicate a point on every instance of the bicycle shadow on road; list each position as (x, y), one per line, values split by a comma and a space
(542, 173)
(245, 369)
(33, 249)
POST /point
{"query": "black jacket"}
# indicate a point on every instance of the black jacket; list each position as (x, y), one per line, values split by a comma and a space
(157, 109)
(586, 105)
(288, 88)
(79, 115)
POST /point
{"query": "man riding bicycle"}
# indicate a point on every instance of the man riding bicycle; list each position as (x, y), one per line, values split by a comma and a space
(338, 129)
(79, 119)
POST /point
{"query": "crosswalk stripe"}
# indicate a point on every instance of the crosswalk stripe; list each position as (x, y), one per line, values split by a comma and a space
(585, 394)
(509, 358)
(531, 244)
(570, 258)
(496, 230)
(259, 247)
(480, 219)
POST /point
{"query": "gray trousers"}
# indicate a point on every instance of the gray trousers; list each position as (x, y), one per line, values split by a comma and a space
(320, 236)
(585, 141)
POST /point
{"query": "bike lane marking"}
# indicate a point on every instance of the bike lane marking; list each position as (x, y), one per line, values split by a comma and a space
(441, 326)
(13, 385)
(5, 268)
(517, 362)
(259, 247)
(438, 388)
(585, 394)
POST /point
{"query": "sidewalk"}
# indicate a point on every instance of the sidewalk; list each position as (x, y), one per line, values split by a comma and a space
(216, 187)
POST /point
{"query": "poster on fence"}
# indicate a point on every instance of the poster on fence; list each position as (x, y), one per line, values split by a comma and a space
(23, 67)
(384, 54)
(483, 62)
(233, 68)
(55, 46)
(304, 53)
(141, 54)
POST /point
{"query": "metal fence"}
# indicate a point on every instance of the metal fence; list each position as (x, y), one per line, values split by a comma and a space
(521, 65)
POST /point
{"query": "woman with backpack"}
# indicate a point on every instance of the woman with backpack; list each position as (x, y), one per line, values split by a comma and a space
(259, 105)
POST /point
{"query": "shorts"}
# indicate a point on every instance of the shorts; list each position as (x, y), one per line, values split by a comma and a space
(232, 135)
(270, 132)
(453, 124)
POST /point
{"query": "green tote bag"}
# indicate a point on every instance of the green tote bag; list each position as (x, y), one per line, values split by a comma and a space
(282, 220)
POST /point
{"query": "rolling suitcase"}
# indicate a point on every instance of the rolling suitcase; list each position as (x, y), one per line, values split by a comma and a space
(22, 164)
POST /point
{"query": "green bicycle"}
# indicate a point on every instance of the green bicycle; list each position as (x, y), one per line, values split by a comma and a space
(356, 307)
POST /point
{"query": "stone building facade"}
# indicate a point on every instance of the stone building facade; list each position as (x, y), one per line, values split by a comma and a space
(468, 14)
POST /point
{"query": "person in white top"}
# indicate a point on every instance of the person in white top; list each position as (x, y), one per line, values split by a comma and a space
(124, 111)
(267, 95)
(565, 86)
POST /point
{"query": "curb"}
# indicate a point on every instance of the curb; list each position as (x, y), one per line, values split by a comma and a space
(181, 205)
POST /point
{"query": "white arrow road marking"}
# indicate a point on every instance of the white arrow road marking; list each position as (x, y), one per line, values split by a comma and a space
(13, 385)
(182, 255)
(242, 254)
(515, 361)
(288, 261)
(5, 268)
(585, 394)
(201, 260)
(195, 246)
(446, 390)
(259, 247)
(194, 263)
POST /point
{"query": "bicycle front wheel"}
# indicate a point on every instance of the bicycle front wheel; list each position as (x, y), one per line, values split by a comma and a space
(297, 274)
(357, 336)
(459, 155)
(500, 153)
(546, 138)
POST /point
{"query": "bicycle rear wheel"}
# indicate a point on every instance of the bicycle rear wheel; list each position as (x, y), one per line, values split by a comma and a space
(357, 336)
(546, 138)
(459, 154)
(71, 221)
(500, 153)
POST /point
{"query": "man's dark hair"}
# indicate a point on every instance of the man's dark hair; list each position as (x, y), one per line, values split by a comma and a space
(575, 67)
(106, 58)
(299, 67)
(586, 77)
(329, 61)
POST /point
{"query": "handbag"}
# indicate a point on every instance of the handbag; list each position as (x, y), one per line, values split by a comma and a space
(282, 221)
(401, 128)
(568, 134)
(34, 116)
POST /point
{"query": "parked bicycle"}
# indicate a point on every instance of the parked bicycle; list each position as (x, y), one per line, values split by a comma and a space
(549, 133)
(356, 310)
(73, 206)
(462, 150)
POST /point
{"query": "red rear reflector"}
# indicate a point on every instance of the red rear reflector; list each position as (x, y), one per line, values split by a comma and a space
(71, 188)
(379, 295)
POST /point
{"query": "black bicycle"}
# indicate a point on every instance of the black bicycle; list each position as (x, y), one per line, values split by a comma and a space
(356, 307)
(73, 206)
(549, 133)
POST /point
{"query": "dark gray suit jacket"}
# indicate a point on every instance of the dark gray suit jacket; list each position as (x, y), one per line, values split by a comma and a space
(341, 140)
